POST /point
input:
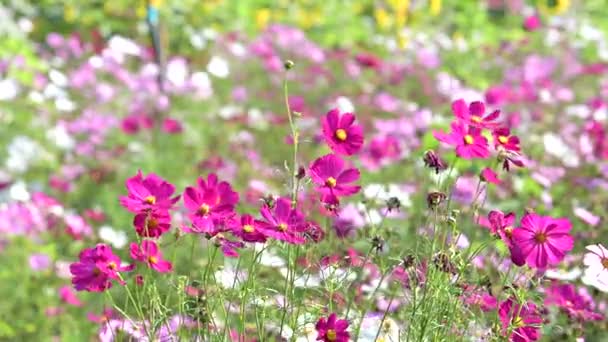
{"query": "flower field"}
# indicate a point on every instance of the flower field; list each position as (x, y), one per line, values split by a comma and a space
(392, 170)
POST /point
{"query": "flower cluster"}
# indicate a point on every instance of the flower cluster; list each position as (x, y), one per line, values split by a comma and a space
(468, 134)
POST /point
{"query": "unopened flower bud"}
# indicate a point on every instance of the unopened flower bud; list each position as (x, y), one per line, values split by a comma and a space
(301, 172)
(435, 198)
(433, 161)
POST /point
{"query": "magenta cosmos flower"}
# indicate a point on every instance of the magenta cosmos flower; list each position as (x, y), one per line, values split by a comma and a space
(152, 224)
(148, 193)
(504, 139)
(340, 134)
(522, 320)
(149, 254)
(576, 304)
(332, 179)
(501, 224)
(541, 241)
(228, 247)
(96, 269)
(332, 329)
(488, 175)
(473, 114)
(210, 204)
(247, 228)
(468, 141)
(282, 222)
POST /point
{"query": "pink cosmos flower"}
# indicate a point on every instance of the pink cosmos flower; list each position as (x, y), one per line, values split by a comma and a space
(524, 321)
(479, 297)
(149, 193)
(473, 114)
(531, 23)
(576, 305)
(541, 241)
(504, 139)
(149, 254)
(246, 228)
(228, 247)
(340, 134)
(172, 126)
(282, 222)
(152, 224)
(96, 269)
(332, 180)
(77, 227)
(510, 158)
(468, 141)
(502, 225)
(39, 262)
(210, 204)
(68, 296)
(488, 175)
(332, 329)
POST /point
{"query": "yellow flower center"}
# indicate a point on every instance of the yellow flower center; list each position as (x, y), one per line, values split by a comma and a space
(518, 322)
(152, 259)
(509, 231)
(248, 228)
(331, 182)
(331, 335)
(112, 265)
(282, 227)
(204, 209)
(503, 139)
(476, 118)
(152, 223)
(540, 237)
(150, 200)
(605, 263)
(468, 139)
(341, 134)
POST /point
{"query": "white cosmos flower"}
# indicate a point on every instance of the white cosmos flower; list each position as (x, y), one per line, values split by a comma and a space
(117, 238)
(345, 105)
(60, 136)
(18, 192)
(567, 275)
(389, 329)
(8, 89)
(218, 67)
(22, 152)
(226, 277)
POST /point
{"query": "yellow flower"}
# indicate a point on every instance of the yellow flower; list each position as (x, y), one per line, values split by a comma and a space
(553, 7)
(401, 8)
(69, 13)
(435, 7)
(402, 40)
(262, 17)
(382, 18)
(140, 10)
(308, 18)
(156, 3)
